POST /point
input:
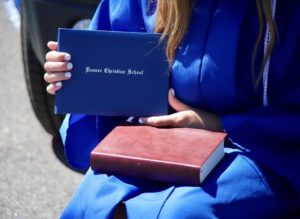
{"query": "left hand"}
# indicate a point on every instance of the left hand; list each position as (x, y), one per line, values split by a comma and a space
(185, 116)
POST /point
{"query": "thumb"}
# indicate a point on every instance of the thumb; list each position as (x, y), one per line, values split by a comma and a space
(177, 104)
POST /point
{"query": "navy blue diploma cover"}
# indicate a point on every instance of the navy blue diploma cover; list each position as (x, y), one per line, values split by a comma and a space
(114, 74)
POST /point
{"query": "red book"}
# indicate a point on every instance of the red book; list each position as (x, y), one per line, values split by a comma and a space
(175, 155)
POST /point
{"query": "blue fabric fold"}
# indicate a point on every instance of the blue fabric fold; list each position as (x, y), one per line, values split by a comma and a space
(258, 177)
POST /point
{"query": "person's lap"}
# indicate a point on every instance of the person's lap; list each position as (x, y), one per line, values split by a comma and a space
(237, 188)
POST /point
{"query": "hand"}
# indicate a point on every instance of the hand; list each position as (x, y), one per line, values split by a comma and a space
(57, 67)
(185, 116)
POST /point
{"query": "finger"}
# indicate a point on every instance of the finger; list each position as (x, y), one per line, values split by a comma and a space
(177, 104)
(58, 76)
(58, 66)
(52, 88)
(54, 56)
(52, 45)
(173, 120)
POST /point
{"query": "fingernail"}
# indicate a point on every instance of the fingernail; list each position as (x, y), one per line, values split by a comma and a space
(130, 119)
(141, 121)
(67, 57)
(58, 84)
(173, 92)
(68, 75)
(69, 66)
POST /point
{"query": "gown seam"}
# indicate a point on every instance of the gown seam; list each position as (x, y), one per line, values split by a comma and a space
(203, 52)
(165, 201)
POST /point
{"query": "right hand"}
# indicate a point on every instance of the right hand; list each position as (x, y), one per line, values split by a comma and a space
(57, 68)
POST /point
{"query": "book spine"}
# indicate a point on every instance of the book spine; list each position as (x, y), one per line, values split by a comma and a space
(146, 168)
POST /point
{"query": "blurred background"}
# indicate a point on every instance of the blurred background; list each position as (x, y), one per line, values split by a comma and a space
(35, 181)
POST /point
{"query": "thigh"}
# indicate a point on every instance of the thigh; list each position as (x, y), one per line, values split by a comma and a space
(237, 188)
(98, 195)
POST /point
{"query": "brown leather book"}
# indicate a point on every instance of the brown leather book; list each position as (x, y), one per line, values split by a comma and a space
(175, 155)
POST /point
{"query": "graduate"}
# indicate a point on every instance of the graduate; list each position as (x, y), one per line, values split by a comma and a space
(235, 67)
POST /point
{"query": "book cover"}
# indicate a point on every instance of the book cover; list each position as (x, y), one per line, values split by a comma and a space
(114, 74)
(176, 155)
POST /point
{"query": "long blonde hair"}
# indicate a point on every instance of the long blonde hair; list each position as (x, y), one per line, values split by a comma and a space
(173, 17)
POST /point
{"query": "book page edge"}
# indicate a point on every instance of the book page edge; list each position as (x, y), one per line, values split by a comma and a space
(211, 162)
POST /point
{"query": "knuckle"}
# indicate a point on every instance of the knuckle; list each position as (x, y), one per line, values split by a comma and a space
(64, 65)
(51, 77)
(57, 55)
(154, 121)
(46, 66)
(50, 89)
(60, 66)
(54, 77)
(49, 56)
(181, 121)
(46, 77)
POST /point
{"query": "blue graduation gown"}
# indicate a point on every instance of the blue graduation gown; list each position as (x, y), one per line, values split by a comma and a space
(259, 176)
